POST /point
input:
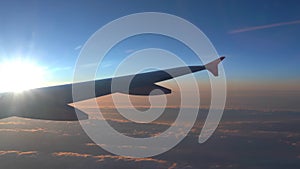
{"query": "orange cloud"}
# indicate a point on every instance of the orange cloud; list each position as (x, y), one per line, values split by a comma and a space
(19, 153)
(25, 130)
(103, 157)
(34, 131)
(248, 29)
(173, 166)
(91, 144)
(100, 158)
(12, 123)
(70, 154)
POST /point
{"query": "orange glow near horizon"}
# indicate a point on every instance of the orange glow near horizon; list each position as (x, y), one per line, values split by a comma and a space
(240, 95)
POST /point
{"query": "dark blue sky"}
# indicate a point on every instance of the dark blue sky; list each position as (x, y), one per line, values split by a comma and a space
(51, 33)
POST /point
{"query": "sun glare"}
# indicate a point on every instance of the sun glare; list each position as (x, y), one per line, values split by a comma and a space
(19, 75)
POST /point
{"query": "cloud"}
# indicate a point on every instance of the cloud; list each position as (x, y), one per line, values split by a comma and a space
(23, 130)
(130, 51)
(19, 153)
(87, 65)
(224, 166)
(33, 130)
(173, 166)
(12, 123)
(101, 158)
(248, 29)
(78, 47)
(61, 69)
(259, 133)
(105, 65)
(70, 154)
(91, 144)
(228, 131)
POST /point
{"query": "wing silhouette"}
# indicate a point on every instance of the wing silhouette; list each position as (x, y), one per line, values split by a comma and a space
(51, 103)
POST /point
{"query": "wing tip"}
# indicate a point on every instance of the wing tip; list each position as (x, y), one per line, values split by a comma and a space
(213, 66)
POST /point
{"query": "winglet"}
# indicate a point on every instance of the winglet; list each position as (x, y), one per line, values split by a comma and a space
(213, 66)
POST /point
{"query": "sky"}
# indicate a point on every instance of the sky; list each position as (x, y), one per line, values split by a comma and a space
(259, 38)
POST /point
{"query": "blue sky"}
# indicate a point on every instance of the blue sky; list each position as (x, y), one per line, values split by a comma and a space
(52, 32)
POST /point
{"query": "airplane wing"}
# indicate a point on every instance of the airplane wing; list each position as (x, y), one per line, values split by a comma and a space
(51, 103)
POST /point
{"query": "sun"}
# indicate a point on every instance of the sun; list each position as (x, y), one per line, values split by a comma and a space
(19, 75)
